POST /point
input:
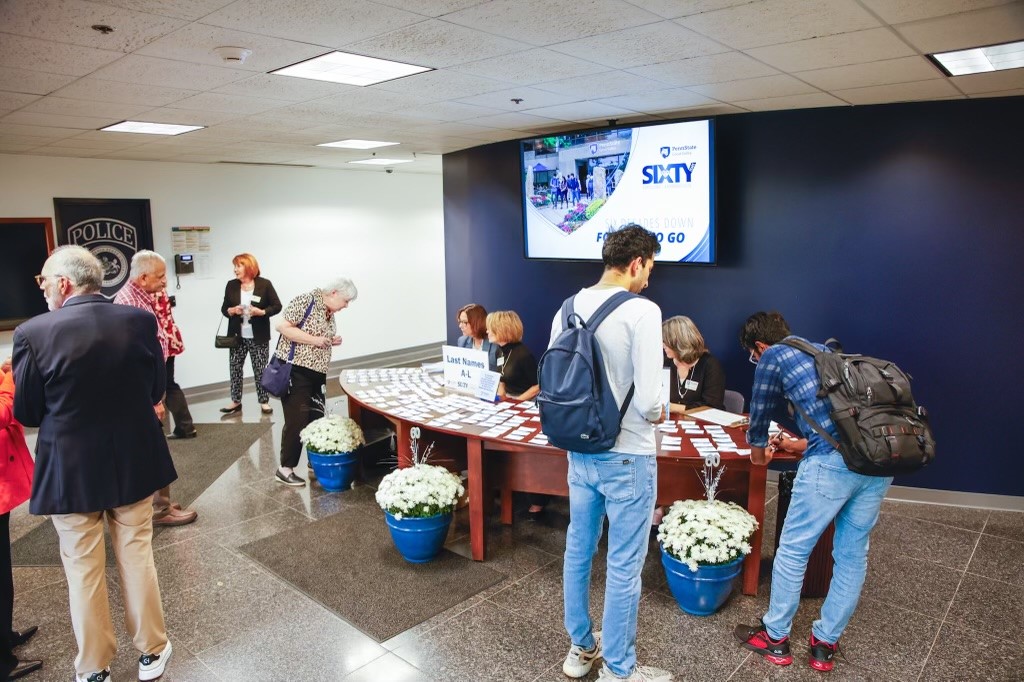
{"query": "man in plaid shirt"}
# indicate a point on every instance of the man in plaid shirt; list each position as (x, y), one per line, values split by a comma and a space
(149, 276)
(824, 491)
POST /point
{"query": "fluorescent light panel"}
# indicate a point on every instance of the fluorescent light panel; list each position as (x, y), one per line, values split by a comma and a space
(357, 144)
(149, 128)
(382, 162)
(351, 69)
(982, 59)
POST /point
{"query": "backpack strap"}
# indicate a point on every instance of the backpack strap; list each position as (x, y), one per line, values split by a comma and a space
(603, 311)
(805, 347)
(801, 345)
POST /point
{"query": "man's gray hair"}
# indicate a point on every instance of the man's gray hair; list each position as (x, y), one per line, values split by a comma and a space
(144, 262)
(344, 286)
(83, 270)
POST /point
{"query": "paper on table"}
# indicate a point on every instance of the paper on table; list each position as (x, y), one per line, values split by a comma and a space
(710, 414)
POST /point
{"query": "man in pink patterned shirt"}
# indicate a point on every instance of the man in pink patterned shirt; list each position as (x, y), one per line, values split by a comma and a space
(148, 276)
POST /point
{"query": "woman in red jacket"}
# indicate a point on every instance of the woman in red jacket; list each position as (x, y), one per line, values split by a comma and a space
(15, 485)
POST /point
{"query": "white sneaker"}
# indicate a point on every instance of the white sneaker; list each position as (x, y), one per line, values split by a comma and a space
(99, 676)
(579, 661)
(641, 673)
(151, 666)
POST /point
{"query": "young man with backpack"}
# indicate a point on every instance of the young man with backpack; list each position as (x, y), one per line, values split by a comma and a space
(825, 490)
(623, 359)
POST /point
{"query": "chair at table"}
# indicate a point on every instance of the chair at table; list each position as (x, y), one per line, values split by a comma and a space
(734, 402)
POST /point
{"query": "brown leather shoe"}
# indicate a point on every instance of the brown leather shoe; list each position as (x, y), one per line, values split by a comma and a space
(175, 516)
(24, 668)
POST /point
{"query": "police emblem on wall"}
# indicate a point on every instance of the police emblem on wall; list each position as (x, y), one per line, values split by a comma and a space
(113, 229)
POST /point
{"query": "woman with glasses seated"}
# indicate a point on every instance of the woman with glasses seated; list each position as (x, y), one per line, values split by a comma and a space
(698, 379)
(472, 321)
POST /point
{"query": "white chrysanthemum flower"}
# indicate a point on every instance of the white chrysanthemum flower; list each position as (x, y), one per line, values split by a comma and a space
(703, 532)
(419, 491)
(332, 434)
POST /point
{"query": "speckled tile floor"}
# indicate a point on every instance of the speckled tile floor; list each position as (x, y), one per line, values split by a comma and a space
(944, 592)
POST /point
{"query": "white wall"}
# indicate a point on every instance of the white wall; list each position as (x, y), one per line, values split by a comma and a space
(384, 231)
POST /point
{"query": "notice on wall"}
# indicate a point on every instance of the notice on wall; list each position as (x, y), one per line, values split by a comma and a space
(463, 368)
(194, 240)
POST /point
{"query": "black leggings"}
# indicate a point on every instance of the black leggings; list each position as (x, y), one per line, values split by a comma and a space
(303, 403)
(8, 661)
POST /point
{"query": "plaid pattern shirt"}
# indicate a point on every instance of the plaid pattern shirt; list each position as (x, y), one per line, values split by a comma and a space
(134, 295)
(786, 374)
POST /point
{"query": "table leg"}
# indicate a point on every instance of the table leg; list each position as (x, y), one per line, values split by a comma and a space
(755, 505)
(403, 443)
(506, 506)
(475, 463)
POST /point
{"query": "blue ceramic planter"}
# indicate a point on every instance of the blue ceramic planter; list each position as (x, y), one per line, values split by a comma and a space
(419, 540)
(703, 592)
(334, 472)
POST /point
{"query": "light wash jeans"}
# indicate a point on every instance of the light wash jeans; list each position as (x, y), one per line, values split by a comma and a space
(825, 489)
(621, 487)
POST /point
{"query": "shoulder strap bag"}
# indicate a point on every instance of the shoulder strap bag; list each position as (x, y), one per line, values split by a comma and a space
(277, 376)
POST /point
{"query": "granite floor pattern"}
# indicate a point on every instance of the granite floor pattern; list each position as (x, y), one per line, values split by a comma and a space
(944, 592)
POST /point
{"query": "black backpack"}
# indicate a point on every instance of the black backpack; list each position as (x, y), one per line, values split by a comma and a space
(577, 409)
(882, 431)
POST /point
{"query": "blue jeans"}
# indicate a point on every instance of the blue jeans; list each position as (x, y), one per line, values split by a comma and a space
(824, 490)
(621, 487)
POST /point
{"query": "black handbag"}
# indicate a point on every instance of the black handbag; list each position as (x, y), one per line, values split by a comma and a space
(277, 375)
(224, 341)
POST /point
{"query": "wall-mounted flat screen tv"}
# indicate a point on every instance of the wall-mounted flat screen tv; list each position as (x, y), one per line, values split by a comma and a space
(577, 187)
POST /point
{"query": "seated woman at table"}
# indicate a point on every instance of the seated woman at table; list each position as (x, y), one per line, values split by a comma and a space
(697, 377)
(472, 321)
(516, 363)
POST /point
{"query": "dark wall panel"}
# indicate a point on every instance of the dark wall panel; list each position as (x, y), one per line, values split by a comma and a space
(897, 229)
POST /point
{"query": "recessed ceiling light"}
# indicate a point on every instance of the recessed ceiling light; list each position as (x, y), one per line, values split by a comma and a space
(980, 59)
(351, 69)
(382, 162)
(149, 128)
(357, 144)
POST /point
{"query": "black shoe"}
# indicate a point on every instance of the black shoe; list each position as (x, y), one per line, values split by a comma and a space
(756, 638)
(232, 410)
(182, 436)
(822, 654)
(19, 638)
(24, 668)
(291, 479)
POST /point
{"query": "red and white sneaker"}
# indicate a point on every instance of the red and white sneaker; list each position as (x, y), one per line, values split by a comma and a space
(822, 654)
(756, 638)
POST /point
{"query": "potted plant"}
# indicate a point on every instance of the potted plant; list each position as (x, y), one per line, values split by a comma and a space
(703, 543)
(331, 444)
(418, 502)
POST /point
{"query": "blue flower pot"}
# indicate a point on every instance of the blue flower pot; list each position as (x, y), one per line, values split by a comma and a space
(419, 540)
(700, 592)
(334, 472)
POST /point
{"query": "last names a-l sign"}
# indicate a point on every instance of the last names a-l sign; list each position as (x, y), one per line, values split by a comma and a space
(463, 368)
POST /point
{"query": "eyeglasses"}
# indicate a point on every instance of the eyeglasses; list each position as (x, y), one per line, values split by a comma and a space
(463, 321)
(752, 359)
(40, 279)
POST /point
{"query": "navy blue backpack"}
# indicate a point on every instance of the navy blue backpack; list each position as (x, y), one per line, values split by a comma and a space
(577, 409)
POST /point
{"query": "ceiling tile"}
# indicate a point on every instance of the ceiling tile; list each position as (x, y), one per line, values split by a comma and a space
(664, 41)
(900, 11)
(15, 147)
(81, 107)
(770, 22)
(901, 92)
(902, 70)
(187, 117)
(441, 85)
(711, 69)
(718, 109)
(283, 88)
(36, 131)
(808, 101)
(430, 8)
(971, 29)
(531, 97)
(754, 88)
(212, 101)
(847, 48)
(435, 44)
(581, 111)
(449, 111)
(607, 84)
(671, 9)
(512, 120)
(662, 100)
(20, 52)
(369, 99)
(182, 9)
(88, 143)
(70, 21)
(122, 93)
(537, 22)
(323, 23)
(999, 93)
(9, 101)
(195, 43)
(990, 82)
(70, 152)
(531, 66)
(168, 73)
(58, 121)
(34, 82)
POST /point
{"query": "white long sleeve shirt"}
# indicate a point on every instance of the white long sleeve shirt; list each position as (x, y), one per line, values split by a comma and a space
(630, 340)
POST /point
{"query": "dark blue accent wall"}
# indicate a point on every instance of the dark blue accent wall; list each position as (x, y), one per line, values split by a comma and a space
(898, 229)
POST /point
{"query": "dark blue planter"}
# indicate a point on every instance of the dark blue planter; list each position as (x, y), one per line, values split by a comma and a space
(419, 540)
(334, 472)
(703, 592)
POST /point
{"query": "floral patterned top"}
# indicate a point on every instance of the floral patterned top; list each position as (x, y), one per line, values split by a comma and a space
(319, 323)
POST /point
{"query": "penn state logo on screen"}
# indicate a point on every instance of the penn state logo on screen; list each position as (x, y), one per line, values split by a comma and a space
(113, 241)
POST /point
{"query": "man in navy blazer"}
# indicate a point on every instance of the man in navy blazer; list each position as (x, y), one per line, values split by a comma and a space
(89, 374)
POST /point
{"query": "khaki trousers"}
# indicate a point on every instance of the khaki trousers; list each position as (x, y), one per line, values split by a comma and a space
(84, 557)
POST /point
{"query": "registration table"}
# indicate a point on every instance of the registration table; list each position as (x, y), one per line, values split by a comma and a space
(501, 447)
